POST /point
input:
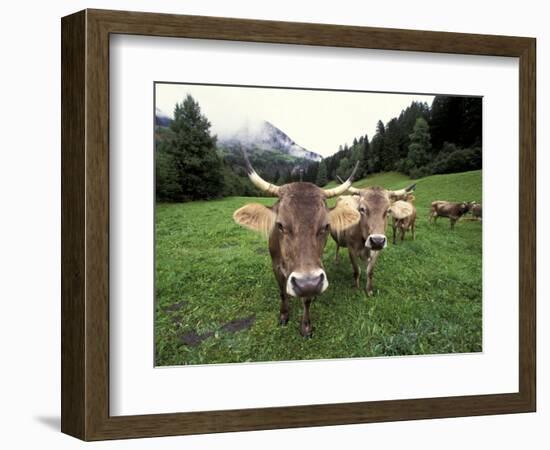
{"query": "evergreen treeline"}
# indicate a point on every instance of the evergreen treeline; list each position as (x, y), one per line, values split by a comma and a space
(421, 141)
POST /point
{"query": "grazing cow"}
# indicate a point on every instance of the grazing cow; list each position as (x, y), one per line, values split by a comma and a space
(297, 226)
(476, 211)
(404, 217)
(453, 211)
(367, 238)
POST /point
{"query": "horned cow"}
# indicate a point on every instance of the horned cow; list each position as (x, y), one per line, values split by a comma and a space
(367, 238)
(297, 226)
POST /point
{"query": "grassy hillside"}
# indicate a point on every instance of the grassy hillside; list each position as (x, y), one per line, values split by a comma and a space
(217, 300)
(385, 179)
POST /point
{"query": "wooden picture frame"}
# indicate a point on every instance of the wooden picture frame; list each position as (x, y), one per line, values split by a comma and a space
(85, 224)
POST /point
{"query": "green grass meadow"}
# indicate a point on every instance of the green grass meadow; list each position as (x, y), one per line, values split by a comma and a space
(217, 300)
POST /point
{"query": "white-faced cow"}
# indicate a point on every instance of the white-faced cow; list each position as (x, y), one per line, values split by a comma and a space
(297, 226)
(404, 217)
(452, 210)
(367, 238)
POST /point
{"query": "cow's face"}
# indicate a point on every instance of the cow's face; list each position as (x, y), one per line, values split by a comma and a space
(374, 208)
(298, 226)
(300, 233)
(466, 206)
(374, 205)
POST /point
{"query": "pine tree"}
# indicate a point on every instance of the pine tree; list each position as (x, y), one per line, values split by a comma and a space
(420, 146)
(311, 172)
(363, 168)
(380, 128)
(322, 178)
(283, 178)
(166, 176)
(343, 168)
(377, 148)
(193, 148)
(276, 177)
(390, 154)
(356, 153)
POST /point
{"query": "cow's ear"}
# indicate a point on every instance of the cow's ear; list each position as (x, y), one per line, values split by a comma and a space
(255, 217)
(342, 217)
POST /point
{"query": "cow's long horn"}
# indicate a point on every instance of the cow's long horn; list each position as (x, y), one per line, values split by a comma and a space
(257, 180)
(351, 188)
(338, 190)
(402, 192)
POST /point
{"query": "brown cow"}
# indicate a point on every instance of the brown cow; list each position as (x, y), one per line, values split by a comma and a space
(297, 226)
(404, 217)
(476, 211)
(453, 211)
(367, 238)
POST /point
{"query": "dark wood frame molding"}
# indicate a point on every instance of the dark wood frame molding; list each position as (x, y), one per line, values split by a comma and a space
(85, 224)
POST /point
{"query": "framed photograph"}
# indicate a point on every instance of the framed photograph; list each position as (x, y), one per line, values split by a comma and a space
(273, 225)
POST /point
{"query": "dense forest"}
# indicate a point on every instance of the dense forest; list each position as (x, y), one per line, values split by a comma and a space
(442, 138)
(423, 140)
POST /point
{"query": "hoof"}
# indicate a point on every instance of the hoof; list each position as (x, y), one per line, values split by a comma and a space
(306, 331)
(283, 321)
(369, 293)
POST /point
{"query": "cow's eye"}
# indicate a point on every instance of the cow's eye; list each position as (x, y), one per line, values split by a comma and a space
(388, 212)
(362, 210)
(280, 227)
(324, 229)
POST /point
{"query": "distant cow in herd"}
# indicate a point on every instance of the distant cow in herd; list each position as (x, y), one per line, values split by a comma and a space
(476, 211)
(404, 217)
(366, 238)
(297, 225)
(453, 211)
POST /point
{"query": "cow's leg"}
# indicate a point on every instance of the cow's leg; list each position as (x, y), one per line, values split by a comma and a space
(370, 270)
(453, 221)
(306, 328)
(356, 269)
(283, 312)
(402, 232)
(281, 282)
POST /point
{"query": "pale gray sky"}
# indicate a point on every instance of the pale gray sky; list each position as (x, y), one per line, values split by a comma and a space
(319, 121)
